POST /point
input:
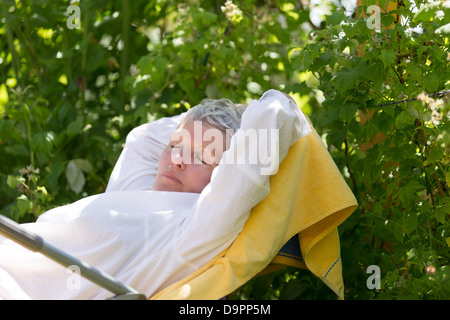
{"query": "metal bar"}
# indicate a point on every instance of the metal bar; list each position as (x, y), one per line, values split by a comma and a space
(33, 242)
(13, 231)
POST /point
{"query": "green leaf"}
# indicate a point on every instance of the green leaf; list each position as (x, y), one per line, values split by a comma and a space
(56, 169)
(159, 73)
(414, 70)
(412, 110)
(348, 111)
(76, 126)
(187, 83)
(324, 59)
(282, 34)
(426, 12)
(345, 79)
(410, 222)
(404, 119)
(293, 289)
(435, 155)
(407, 191)
(202, 18)
(43, 142)
(13, 181)
(6, 129)
(145, 64)
(41, 194)
(24, 205)
(441, 212)
(432, 82)
(18, 150)
(388, 57)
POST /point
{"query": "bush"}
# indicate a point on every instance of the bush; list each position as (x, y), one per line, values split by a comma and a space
(379, 99)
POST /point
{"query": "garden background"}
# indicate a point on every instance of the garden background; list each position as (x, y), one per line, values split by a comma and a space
(374, 81)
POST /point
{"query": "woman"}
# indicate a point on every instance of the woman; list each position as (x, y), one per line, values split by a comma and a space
(175, 200)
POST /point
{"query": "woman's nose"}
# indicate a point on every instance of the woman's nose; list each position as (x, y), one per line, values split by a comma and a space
(177, 159)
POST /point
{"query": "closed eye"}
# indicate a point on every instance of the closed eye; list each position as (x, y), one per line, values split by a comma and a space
(199, 157)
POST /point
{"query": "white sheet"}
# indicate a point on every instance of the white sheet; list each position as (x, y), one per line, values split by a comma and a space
(150, 239)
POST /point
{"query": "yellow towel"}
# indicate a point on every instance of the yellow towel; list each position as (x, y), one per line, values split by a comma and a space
(308, 197)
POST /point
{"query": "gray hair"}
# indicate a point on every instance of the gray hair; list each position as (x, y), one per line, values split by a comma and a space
(222, 114)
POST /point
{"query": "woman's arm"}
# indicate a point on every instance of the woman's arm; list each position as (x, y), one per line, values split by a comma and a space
(137, 165)
(239, 182)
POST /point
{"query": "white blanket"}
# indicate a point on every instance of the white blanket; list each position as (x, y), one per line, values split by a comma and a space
(150, 239)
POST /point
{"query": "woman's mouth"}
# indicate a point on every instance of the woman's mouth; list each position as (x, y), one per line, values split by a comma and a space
(171, 177)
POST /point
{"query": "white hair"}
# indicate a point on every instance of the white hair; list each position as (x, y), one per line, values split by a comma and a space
(222, 114)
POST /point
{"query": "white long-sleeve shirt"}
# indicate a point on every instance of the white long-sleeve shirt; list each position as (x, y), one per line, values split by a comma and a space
(151, 239)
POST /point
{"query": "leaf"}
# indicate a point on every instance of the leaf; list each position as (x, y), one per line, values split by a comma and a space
(410, 223)
(345, 79)
(325, 58)
(426, 12)
(414, 70)
(145, 64)
(275, 29)
(404, 119)
(6, 128)
(349, 30)
(202, 18)
(17, 150)
(441, 213)
(413, 111)
(293, 289)
(24, 205)
(348, 111)
(388, 57)
(186, 83)
(75, 177)
(75, 126)
(43, 142)
(432, 82)
(41, 194)
(435, 155)
(158, 73)
(407, 191)
(13, 181)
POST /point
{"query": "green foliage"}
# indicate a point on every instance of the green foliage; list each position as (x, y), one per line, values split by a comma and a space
(395, 155)
(68, 98)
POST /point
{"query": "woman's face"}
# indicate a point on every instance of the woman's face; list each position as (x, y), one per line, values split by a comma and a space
(188, 160)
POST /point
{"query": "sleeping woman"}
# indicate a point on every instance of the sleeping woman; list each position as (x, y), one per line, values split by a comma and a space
(180, 193)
